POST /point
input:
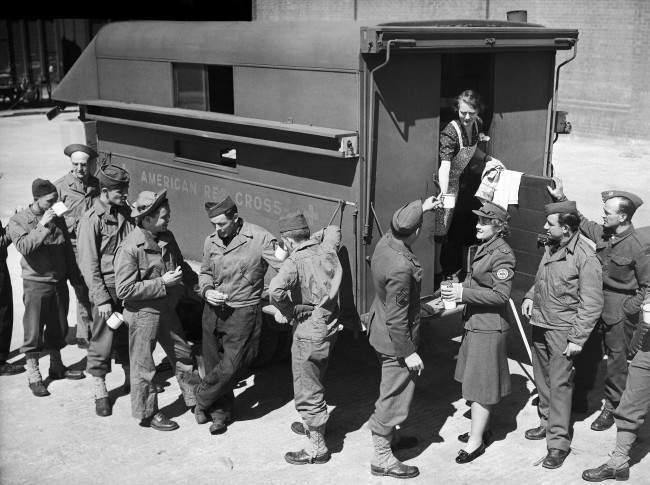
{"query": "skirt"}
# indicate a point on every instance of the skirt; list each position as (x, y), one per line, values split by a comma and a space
(482, 367)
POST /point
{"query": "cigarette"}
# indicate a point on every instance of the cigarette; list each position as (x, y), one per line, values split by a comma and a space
(419, 372)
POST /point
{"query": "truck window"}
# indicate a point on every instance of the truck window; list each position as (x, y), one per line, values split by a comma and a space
(204, 87)
(211, 152)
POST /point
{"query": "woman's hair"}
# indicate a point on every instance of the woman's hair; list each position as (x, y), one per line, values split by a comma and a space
(470, 97)
(502, 227)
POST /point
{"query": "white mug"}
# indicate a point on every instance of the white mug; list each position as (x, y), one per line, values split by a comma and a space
(115, 320)
(448, 201)
(59, 208)
(646, 313)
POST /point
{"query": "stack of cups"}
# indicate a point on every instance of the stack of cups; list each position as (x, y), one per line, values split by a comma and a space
(449, 304)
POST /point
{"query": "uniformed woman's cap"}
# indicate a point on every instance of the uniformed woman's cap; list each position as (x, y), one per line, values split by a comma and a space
(42, 187)
(215, 209)
(407, 218)
(78, 147)
(147, 202)
(635, 199)
(113, 177)
(294, 221)
(493, 211)
(564, 207)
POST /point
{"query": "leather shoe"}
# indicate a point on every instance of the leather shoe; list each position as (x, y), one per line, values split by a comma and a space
(487, 437)
(8, 369)
(555, 458)
(298, 428)
(160, 422)
(303, 458)
(405, 443)
(39, 389)
(103, 407)
(464, 457)
(65, 373)
(218, 427)
(538, 433)
(604, 421)
(397, 470)
(83, 343)
(604, 472)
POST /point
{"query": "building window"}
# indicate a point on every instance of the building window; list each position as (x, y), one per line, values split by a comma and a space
(205, 88)
(206, 151)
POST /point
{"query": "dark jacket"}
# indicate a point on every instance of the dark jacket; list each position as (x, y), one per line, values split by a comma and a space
(46, 250)
(568, 293)
(486, 290)
(394, 320)
(100, 232)
(5, 241)
(78, 198)
(625, 260)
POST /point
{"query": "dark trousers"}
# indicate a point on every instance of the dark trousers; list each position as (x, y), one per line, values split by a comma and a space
(395, 395)
(104, 339)
(309, 359)
(635, 403)
(230, 344)
(145, 329)
(614, 341)
(46, 316)
(6, 313)
(84, 308)
(554, 378)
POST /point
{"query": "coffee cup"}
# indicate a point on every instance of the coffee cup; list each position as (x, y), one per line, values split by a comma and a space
(115, 320)
(448, 304)
(59, 208)
(281, 253)
(646, 313)
(448, 201)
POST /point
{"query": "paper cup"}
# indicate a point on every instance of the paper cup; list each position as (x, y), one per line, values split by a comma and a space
(115, 320)
(646, 313)
(448, 201)
(59, 208)
(281, 253)
(448, 304)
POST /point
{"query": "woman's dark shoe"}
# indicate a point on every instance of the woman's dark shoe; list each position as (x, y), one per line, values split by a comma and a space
(604, 472)
(39, 389)
(303, 458)
(160, 422)
(555, 458)
(464, 457)
(397, 470)
(103, 407)
(538, 433)
(298, 428)
(487, 437)
(604, 421)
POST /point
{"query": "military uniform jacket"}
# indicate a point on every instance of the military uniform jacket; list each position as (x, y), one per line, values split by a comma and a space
(101, 230)
(306, 277)
(140, 263)
(486, 290)
(394, 320)
(567, 293)
(238, 269)
(77, 197)
(625, 260)
(46, 250)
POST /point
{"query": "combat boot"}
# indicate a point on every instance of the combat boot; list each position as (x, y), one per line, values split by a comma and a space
(103, 406)
(384, 462)
(34, 378)
(317, 452)
(604, 421)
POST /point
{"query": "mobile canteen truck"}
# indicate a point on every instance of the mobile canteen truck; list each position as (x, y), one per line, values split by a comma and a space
(338, 119)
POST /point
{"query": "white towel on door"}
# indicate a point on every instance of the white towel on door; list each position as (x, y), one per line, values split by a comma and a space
(507, 189)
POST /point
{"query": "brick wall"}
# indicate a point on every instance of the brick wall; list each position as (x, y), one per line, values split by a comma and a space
(606, 89)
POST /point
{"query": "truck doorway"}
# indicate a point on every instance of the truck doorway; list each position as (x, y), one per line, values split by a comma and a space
(460, 72)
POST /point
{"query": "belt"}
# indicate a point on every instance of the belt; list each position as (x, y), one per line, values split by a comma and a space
(621, 292)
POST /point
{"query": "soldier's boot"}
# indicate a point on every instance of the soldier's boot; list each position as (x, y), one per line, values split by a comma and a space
(60, 371)
(102, 401)
(604, 421)
(316, 452)
(616, 468)
(34, 378)
(126, 387)
(384, 462)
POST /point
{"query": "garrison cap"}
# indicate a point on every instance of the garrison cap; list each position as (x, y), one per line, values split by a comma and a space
(293, 221)
(42, 187)
(215, 209)
(113, 177)
(78, 147)
(564, 207)
(147, 202)
(493, 211)
(407, 218)
(635, 199)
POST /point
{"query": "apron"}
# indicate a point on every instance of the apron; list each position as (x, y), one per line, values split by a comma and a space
(458, 163)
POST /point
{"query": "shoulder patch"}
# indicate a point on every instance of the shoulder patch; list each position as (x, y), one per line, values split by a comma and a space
(402, 297)
(503, 274)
